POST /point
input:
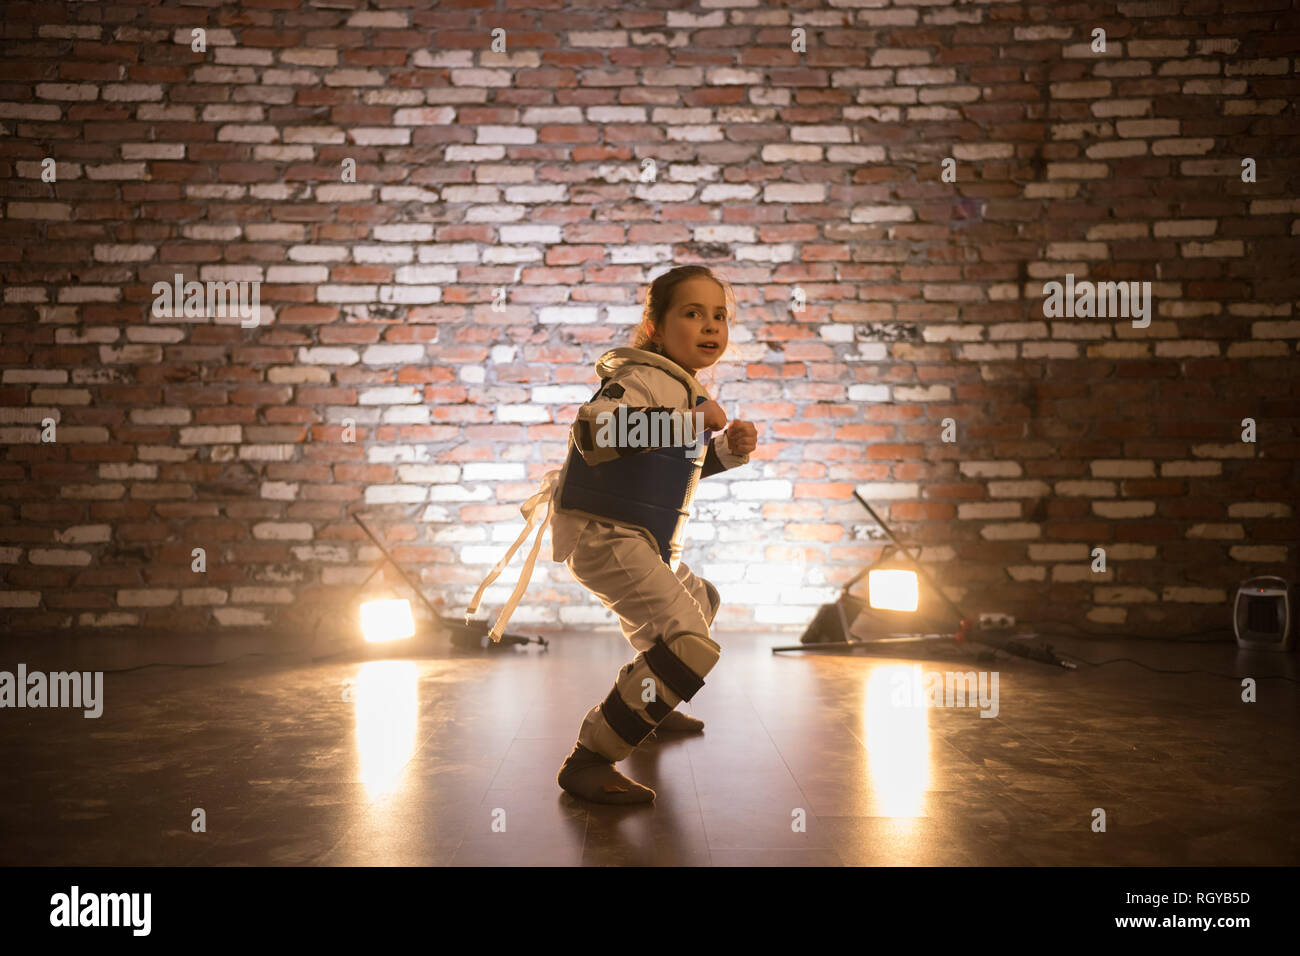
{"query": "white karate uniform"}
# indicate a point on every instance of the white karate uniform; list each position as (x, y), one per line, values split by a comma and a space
(622, 565)
(643, 385)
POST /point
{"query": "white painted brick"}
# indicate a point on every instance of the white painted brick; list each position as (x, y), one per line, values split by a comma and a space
(1107, 615)
(794, 193)
(523, 414)
(1018, 489)
(568, 315)
(1192, 595)
(297, 375)
(1190, 469)
(84, 534)
(239, 617)
(211, 435)
(988, 511)
(1259, 509)
(990, 469)
(19, 598)
(1213, 250)
(1027, 572)
(1233, 450)
(931, 393)
(1017, 330)
(104, 492)
(391, 395)
(460, 493)
(1120, 595)
(318, 253)
(283, 531)
(333, 553)
(1259, 554)
(1261, 330)
(125, 471)
(868, 393)
(894, 213)
(950, 333)
(440, 474)
(1085, 489)
(561, 394)
(986, 353)
(387, 494)
(279, 490)
(773, 490)
(904, 490)
(1010, 532)
(146, 597)
(487, 471)
(393, 354)
(975, 152)
(254, 595)
(202, 596)
(58, 556)
(161, 416)
(1221, 532)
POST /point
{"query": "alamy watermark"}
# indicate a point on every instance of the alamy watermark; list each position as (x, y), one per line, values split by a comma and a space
(911, 687)
(58, 689)
(75, 909)
(196, 300)
(1102, 300)
(631, 428)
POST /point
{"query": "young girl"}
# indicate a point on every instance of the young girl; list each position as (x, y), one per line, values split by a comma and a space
(620, 513)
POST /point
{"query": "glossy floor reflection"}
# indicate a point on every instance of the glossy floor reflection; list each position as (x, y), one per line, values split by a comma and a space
(449, 759)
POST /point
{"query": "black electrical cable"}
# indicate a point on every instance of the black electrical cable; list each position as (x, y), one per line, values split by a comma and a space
(1178, 639)
(1163, 670)
(1195, 670)
(140, 667)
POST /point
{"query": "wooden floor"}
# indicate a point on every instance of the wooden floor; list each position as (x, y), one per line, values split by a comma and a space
(449, 758)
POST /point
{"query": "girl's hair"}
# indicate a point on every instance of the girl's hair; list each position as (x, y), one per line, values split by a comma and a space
(660, 298)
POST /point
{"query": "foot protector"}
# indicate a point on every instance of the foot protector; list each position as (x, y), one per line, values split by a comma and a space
(676, 721)
(589, 775)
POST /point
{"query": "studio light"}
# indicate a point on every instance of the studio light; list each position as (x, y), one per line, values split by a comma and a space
(892, 589)
(387, 621)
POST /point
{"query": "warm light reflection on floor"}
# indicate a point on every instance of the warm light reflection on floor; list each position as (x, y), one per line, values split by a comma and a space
(387, 706)
(898, 740)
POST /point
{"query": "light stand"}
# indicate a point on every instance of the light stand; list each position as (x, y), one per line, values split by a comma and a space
(466, 636)
(830, 630)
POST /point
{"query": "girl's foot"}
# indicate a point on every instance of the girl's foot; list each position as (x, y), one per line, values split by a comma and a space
(589, 775)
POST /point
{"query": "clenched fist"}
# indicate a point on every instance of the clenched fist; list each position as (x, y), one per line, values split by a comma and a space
(712, 415)
(742, 437)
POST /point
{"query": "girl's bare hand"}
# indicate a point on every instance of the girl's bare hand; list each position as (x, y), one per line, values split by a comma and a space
(715, 419)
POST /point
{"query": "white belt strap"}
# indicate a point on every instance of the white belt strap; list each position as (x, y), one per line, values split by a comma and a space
(529, 510)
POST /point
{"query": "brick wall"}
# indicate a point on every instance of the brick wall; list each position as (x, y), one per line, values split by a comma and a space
(801, 152)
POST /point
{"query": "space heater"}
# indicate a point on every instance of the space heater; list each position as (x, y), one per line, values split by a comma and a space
(1264, 614)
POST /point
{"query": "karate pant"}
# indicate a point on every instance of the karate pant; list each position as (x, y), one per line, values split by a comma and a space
(664, 614)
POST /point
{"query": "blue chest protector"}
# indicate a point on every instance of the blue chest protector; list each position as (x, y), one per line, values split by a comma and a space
(651, 491)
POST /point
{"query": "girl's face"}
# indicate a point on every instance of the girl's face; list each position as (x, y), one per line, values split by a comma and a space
(694, 332)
